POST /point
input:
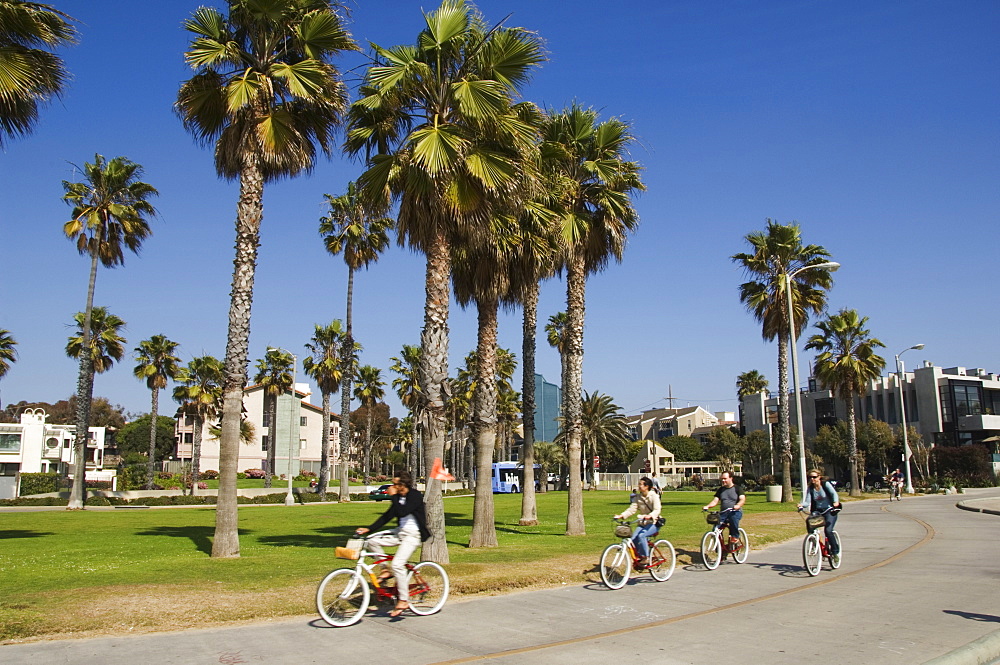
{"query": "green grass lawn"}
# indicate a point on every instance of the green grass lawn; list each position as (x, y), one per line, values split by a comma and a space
(87, 572)
(258, 483)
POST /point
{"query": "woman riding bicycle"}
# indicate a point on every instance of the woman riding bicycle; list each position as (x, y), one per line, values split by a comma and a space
(821, 499)
(408, 507)
(647, 504)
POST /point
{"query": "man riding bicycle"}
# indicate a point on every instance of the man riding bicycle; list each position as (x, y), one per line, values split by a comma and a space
(822, 499)
(732, 498)
(407, 507)
(896, 483)
(647, 504)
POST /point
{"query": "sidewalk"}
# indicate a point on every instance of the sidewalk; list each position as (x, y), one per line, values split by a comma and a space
(904, 594)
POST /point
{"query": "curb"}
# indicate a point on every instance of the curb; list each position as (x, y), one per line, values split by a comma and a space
(966, 505)
(983, 651)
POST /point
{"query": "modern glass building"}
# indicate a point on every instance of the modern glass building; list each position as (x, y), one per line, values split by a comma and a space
(548, 396)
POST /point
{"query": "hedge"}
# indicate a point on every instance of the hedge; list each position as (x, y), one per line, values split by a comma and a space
(39, 483)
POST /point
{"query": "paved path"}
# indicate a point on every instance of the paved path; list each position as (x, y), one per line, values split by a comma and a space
(919, 579)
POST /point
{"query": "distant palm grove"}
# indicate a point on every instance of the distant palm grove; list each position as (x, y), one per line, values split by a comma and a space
(496, 193)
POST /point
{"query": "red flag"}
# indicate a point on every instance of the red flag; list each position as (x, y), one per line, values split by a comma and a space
(438, 472)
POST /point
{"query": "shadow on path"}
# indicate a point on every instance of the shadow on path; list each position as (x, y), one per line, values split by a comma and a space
(974, 616)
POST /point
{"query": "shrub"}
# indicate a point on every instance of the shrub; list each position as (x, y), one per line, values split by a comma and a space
(39, 483)
(241, 476)
(211, 474)
(698, 481)
(97, 501)
(165, 475)
(98, 484)
(253, 473)
(305, 475)
(201, 486)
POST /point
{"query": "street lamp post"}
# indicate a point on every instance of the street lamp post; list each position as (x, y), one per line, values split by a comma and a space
(831, 266)
(902, 414)
(289, 497)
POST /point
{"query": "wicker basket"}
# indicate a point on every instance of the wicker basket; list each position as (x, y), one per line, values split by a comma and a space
(712, 517)
(623, 531)
(352, 550)
(815, 522)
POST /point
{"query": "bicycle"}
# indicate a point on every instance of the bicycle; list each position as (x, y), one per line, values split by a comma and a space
(894, 490)
(344, 594)
(715, 545)
(815, 548)
(619, 559)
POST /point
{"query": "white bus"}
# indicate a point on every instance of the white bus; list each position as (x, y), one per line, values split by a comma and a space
(508, 477)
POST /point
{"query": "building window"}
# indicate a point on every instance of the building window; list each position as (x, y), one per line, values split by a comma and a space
(968, 400)
(892, 409)
(946, 410)
(265, 421)
(263, 443)
(303, 421)
(880, 408)
(10, 443)
(188, 437)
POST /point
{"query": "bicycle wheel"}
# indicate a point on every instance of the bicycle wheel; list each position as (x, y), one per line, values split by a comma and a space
(812, 555)
(662, 560)
(836, 559)
(615, 565)
(342, 597)
(711, 550)
(740, 555)
(429, 586)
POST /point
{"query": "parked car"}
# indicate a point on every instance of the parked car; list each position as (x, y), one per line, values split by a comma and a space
(380, 494)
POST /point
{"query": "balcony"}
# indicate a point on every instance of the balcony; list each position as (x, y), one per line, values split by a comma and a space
(979, 423)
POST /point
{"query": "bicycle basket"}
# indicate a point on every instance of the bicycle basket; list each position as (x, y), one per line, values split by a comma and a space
(623, 531)
(815, 522)
(712, 517)
(352, 550)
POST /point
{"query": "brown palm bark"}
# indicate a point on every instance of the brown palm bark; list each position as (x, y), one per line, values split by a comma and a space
(346, 355)
(576, 282)
(529, 327)
(84, 394)
(484, 424)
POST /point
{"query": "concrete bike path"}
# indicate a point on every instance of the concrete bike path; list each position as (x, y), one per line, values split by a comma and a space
(909, 590)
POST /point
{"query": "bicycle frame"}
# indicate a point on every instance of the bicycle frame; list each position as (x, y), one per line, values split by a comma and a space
(368, 571)
(721, 527)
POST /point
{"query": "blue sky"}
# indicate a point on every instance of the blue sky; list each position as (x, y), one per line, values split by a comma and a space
(874, 125)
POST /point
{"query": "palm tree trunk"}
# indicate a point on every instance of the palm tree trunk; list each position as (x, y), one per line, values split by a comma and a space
(576, 284)
(784, 435)
(199, 424)
(84, 393)
(324, 455)
(484, 419)
(852, 441)
(347, 369)
(151, 462)
(272, 441)
(368, 441)
(433, 373)
(226, 543)
(529, 326)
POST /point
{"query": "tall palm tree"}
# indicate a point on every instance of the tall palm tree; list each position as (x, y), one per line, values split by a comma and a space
(750, 382)
(201, 394)
(591, 157)
(360, 233)
(324, 366)
(110, 211)
(845, 364)
(604, 433)
(8, 354)
(556, 336)
(157, 364)
(266, 94)
(30, 76)
(369, 391)
(439, 125)
(274, 374)
(777, 253)
(98, 343)
(407, 387)
(549, 456)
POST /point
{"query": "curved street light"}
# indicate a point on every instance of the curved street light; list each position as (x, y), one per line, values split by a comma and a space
(832, 266)
(902, 414)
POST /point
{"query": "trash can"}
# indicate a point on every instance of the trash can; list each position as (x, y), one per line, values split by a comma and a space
(774, 492)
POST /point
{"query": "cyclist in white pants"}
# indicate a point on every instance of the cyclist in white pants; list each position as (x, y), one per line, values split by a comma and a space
(408, 507)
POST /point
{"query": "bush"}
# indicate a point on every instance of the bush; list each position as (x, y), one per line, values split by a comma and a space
(98, 484)
(97, 501)
(241, 476)
(211, 474)
(201, 486)
(253, 473)
(305, 475)
(39, 483)
(164, 475)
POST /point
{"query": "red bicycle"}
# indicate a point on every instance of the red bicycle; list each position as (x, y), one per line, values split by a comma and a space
(715, 545)
(619, 559)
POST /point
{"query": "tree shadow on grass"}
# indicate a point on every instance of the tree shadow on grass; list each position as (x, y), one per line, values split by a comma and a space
(201, 536)
(23, 533)
(326, 537)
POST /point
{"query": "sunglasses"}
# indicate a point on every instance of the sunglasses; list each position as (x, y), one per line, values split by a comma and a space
(813, 477)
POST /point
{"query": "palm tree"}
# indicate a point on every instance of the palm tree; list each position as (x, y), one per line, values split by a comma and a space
(99, 344)
(603, 432)
(265, 92)
(845, 364)
(548, 456)
(157, 364)
(555, 334)
(359, 232)
(777, 253)
(592, 158)
(750, 383)
(439, 125)
(407, 387)
(8, 354)
(324, 366)
(30, 76)
(110, 210)
(274, 374)
(201, 394)
(369, 391)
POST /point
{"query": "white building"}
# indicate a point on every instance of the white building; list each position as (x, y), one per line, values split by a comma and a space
(35, 446)
(299, 426)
